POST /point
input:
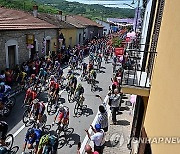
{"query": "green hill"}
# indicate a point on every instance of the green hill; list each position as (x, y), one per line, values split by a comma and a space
(52, 6)
(90, 11)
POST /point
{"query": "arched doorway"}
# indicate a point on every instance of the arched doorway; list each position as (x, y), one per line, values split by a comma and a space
(11, 47)
(48, 45)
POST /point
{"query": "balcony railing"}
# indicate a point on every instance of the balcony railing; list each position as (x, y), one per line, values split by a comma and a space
(134, 73)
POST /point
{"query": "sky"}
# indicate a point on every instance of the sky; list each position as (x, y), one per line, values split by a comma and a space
(109, 3)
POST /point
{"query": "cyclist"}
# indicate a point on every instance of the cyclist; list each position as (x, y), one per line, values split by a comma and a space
(91, 57)
(84, 68)
(4, 89)
(52, 78)
(60, 72)
(90, 66)
(69, 73)
(30, 96)
(73, 81)
(54, 91)
(21, 77)
(3, 130)
(62, 115)
(42, 74)
(79, 93)
(57, 65)
(114, 63)
(92, 75)
(33, 135)
(99, 60)
(47, 144)
(38, 109)
(32, 79)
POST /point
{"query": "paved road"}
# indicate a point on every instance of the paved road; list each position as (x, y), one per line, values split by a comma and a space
(77, 124)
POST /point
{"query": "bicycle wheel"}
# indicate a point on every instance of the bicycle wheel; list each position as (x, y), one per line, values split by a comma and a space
(49, 107)
(70, 96)
(76, 108)
(26, 116)
(44, 120)
(14, 150)
(9, 140)
(6, 111)
(59, 130)
(12, 101)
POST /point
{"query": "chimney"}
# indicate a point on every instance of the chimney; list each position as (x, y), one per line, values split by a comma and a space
(35, 11)
(60, 15)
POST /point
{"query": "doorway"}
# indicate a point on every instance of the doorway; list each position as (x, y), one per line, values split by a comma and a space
(33, 51)
(47, 47)
(12, 56)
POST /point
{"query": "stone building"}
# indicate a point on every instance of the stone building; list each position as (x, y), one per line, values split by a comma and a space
(24, 37)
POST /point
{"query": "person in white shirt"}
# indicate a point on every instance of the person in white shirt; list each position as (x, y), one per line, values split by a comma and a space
(115, 104)
(98, 138)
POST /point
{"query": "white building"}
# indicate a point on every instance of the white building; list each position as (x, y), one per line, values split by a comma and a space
(107, 26)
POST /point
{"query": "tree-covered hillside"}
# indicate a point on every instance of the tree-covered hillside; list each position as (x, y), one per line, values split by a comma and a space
(52, 6)
(90, 11)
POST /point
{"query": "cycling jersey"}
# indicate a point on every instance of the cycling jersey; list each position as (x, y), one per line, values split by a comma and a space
(40, 109)
(35, 138)
(63, 113)
(42, 73)
(50, 142)
(31, 94)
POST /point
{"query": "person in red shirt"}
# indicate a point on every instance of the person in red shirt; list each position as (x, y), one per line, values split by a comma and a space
(30, 96)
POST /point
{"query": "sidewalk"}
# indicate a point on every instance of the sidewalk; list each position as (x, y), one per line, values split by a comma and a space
(118, 135)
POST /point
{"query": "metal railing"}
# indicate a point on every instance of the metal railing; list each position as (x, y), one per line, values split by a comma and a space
(133, 73)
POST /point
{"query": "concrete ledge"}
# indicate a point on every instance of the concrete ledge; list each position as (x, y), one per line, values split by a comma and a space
(135, 90)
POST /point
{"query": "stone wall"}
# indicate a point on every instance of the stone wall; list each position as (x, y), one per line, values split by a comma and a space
(20, 37)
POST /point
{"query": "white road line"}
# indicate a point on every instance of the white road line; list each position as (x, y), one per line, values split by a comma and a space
(19, 130)
(23, 126)
(93, 123)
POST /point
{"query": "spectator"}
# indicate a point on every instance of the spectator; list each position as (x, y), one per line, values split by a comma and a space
(2, 76)
(97, 138)
(115, 103)
(8, 77)
(88, 150)
(103, 118)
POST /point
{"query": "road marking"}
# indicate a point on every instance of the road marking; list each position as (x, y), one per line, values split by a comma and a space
(93, 123)
(23, 126)
(19, 130)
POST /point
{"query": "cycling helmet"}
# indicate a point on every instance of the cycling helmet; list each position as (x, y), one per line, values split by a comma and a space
(30, 131)
(2, 83)
(61, 107)
(79, 85)
(52, 76)
(35, 101)
(44, 139)
(72, 76)
(41, 69)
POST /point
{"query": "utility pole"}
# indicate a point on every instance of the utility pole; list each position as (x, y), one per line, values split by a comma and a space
(137, 15)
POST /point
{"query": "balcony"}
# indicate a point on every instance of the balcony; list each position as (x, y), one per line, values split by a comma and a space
(135, 80)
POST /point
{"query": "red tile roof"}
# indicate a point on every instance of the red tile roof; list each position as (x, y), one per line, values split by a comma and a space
(74, 22)
(55, 20)
(86, 22)
(11, 19)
